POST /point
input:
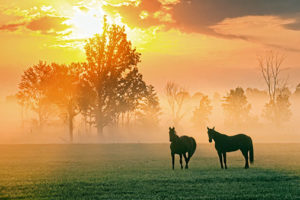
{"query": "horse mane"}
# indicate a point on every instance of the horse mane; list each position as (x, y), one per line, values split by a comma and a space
(218, 132)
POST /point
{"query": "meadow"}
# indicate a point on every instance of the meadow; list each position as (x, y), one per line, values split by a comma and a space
(143, 171)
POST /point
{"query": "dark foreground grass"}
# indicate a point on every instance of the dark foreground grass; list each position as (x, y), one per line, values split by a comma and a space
(143, 171)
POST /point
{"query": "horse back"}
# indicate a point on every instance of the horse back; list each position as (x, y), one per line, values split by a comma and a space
(183, 145)
(235, 142)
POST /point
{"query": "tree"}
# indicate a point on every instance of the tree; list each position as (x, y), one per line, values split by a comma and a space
(64, 92)
(34, 89)
(279, 111)
(148, 111)
(201, 114)
(176, 97)
(111, 75)
(297, 91)
(236, 107)
(270, 65)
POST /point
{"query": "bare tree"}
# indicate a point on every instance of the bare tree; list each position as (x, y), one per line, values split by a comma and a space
(277, 109)
(176, 97)
(270, 66)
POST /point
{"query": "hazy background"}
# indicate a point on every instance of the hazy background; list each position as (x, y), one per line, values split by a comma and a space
(203, 46)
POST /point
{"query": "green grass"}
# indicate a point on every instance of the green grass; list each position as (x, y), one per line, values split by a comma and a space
(143, 171)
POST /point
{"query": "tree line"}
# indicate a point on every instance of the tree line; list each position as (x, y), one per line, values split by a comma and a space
(236, 107)
(109, 90)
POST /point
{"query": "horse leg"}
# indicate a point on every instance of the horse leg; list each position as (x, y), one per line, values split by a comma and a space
(245, 154)
(220, 158)
(181, 161)
(186, 161)
(224, 157)
(173, 158)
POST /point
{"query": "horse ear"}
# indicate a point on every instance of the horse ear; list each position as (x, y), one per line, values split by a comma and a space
(213, 128)
(207, 128)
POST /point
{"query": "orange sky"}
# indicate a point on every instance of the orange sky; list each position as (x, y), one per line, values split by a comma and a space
(203, 45)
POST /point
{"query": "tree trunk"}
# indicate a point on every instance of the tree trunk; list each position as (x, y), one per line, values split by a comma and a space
(71, 128)
(22, 117)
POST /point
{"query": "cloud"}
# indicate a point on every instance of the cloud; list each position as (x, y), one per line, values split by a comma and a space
(44, 19)
(266, 30)
(199, 15)
(11, 27)
(48, 24)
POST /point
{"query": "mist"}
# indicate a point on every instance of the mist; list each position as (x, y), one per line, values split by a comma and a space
(15, 130)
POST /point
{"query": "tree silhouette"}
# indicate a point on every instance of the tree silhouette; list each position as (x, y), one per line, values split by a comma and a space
(236, 107)
(201, 113)
(64, 92)
(111, 75)
(34, 90)
(270, 65)
(148, 111)
(176, 97)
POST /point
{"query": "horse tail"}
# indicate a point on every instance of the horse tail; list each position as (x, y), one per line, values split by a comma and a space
(251, 152)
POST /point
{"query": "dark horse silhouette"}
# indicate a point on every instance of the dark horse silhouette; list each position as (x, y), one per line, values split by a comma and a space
(181, 145)
(225, 143)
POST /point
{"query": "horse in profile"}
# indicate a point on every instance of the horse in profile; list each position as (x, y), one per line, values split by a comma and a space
(181, 145)
(225, 143)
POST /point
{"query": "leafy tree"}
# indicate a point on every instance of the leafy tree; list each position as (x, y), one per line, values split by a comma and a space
(148, 111)
(34, 89)
(279, 112)
(64, 92)
(201, 114)
(111, 75)
(86, 103)
(236, 107)
(176, 97)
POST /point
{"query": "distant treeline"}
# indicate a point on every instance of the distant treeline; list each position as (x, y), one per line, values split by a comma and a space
(109, 90)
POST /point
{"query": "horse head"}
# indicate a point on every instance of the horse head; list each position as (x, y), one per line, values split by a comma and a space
(172, 133)
(210, 132)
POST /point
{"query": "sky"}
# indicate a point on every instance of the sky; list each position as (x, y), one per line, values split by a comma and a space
(203, 45)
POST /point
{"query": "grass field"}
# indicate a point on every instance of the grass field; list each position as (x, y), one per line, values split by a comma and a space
(143, 171)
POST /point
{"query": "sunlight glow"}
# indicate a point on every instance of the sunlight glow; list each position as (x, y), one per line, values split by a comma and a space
(85, 22)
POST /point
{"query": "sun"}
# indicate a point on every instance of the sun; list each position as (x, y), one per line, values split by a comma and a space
(85, 22)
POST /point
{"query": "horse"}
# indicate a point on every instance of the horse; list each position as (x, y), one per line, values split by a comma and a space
(181, 146)
(225, 143)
